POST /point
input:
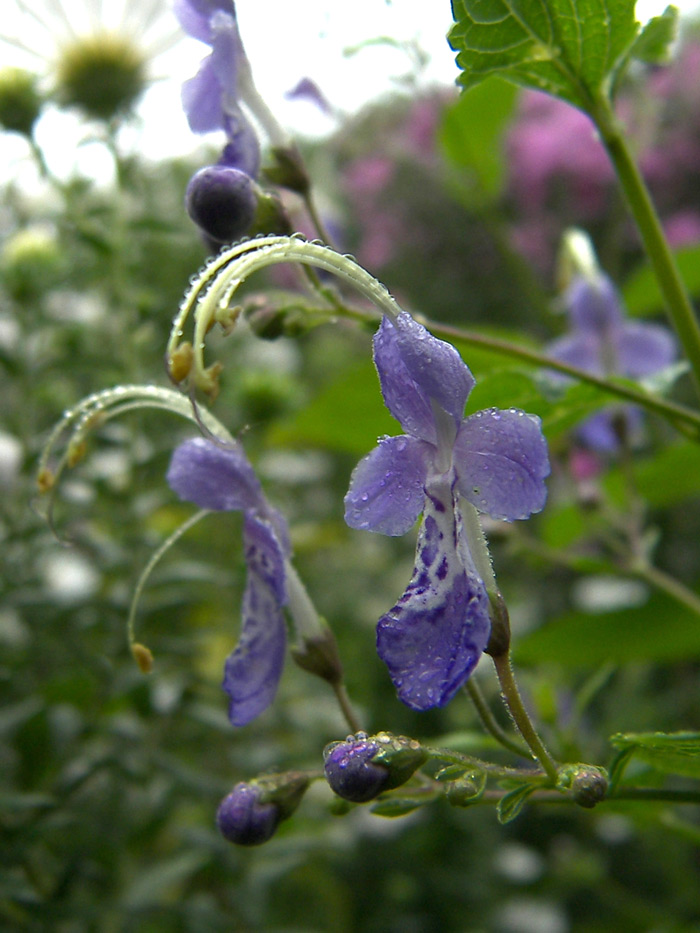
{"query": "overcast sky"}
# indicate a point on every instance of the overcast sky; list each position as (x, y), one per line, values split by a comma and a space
(320, 39)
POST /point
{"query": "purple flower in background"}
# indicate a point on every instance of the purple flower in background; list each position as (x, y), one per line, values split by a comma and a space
(601, 341)
(222, 479)
(497, 460)
(211, 99)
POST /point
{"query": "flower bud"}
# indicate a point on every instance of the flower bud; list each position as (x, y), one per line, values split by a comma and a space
(350, 771)
(243, 819)
(251, 813)
(363, 766)
(20, 102)
(588, 784)
(222, 202)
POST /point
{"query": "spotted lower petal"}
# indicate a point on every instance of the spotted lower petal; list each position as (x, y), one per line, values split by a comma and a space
(433, 637)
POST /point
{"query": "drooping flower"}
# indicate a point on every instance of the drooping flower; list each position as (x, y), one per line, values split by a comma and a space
(212, 98)
(445, 465)
(221, 479)
(603, 342)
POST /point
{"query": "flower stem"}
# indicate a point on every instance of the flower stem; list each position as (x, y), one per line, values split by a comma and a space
(488, 720)
(341, 695)
(660, 256)
(517, 710)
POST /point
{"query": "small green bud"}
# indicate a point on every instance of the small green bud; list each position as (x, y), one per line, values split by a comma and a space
(319, 655)
(499, 639)
(588, 784)
(467, 789)
(20, 102)
(31, 262)
(288, 170)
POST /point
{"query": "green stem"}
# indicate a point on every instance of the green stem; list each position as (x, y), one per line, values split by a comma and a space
(488, 720)
(662, 260)
(517, 710)
(341, 695)
(677, 414)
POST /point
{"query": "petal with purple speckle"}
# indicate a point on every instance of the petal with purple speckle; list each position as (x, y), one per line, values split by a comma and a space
(433, 637)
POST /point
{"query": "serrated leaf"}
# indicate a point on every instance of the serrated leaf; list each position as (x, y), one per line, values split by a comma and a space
(569, 48)
(397, 806)
(652, 45)
(510, 805)
(670, 752)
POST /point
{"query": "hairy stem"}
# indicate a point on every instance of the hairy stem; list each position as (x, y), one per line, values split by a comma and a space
(522, 720)
(488, 720)
(678, 303)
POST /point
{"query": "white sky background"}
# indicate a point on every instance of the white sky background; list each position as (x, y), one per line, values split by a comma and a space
(285, 42)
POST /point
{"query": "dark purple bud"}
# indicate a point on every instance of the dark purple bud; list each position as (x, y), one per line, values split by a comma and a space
(350, 771)
(243, 819)
(222, 202)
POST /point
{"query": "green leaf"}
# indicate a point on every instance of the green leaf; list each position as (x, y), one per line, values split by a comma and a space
(672, 753)
(471, 131)
(398, 806)
(641, 292)
(662, 630)
(347, 415)
(669, 477)
(510, 805)
(652, 45)
(569, 48)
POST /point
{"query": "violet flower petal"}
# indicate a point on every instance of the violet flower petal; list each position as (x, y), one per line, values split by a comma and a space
(386, 488)
(594, 306)
(433, 637)
(406, 401)
(213, 477)
(643, 349)
(434, 365)
(253, 670)
(579, 349)
(598, 431)
(501, 462)
(416, 369)
(195, 16)
(201, 99)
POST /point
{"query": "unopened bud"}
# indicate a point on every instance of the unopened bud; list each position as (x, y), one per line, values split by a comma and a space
(251, 813)
(588, 784)
(20, 102)
(363, 766)
(499, 639)
(288, 170)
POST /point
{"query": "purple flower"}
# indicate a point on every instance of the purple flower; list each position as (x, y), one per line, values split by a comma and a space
(221, 478)
(211, 99)
(601, 341)
(497, 460)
